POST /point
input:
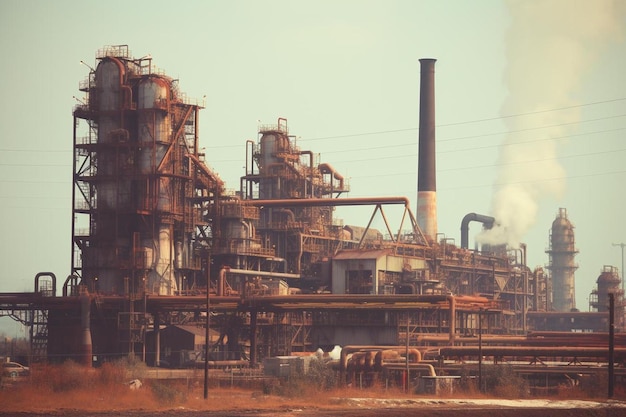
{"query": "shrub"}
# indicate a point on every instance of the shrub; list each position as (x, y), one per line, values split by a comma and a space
(502, 381)
(168, 394)
(135, 369)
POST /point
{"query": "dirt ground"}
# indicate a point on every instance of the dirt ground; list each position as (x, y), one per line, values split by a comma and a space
(372, 407)
(50, 394)
(384, 412)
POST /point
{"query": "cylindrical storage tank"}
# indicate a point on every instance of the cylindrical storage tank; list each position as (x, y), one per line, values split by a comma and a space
(110, 96)
(161, 279)
(109, 78)
(271, 144)
(154, 123)
(155, 133)
(268, 145)
(608, 283)
(153, 93)
(179, 253)
(562, 252)
(235, 229)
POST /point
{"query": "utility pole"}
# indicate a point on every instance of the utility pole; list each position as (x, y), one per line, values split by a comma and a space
(207, 333)
(611, 344)
(621, 245)
(480, 350)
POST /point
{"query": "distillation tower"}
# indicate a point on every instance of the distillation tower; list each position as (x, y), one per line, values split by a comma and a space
(562, 252)
(143, 199)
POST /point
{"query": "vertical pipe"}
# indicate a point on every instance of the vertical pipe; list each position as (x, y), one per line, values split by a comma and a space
(157, 339)
(480, 350)
(73, 220)
(611, 344)
(85, 343)
(426, 177)
(253, 341)
(207, 333)
(408, 369)
(452, 321)
(525, 299)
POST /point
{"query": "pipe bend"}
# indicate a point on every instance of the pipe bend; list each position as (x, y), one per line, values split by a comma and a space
(488, 221)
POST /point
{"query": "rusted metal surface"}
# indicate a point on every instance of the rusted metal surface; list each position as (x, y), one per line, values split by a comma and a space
(570, 353)
(155, 232)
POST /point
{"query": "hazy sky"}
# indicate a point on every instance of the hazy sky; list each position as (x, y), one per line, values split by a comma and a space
(530, 107)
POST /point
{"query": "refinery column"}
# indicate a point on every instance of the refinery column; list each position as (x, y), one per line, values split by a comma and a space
(562, 265)
(426, 170)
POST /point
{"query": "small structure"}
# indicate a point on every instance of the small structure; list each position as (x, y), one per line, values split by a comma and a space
(182, 345)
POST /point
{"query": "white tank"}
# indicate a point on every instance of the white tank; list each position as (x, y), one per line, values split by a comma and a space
(268, 147)
(161, 279)
(155, 132)
(154, 126)
(152, 93)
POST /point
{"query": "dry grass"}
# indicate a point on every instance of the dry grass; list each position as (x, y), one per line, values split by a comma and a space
(72, 387)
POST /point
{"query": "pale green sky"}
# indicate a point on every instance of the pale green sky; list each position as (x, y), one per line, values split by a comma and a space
(339, 71)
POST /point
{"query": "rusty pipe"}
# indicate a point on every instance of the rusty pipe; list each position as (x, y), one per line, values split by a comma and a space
(127, 93)
(288, 213)
(386, 356)
(52, 277)
(487, 221)
(414, 367)
(322, 202)
(310, 153)
(222, 281)
(221, 289)
(452, 303)
(326, 167)
(347, 351)
(521, 351)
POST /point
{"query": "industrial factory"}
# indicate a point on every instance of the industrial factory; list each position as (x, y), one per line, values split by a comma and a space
(171, 267)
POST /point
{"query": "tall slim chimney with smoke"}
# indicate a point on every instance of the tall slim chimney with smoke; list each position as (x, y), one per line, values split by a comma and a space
(426, 170)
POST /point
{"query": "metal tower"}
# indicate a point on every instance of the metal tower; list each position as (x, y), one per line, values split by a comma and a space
(562, 252)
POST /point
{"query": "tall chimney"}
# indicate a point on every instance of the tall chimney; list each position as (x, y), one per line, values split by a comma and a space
(426, 170)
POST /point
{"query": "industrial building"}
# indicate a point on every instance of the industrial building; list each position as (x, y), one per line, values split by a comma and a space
(158, 243)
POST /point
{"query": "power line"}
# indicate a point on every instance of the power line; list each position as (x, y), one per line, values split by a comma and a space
(541, 180)
(412, 128)
(482, 136)
(468, 121)
(439, 152)
(501, 184)
(526, 142)
(530, 161)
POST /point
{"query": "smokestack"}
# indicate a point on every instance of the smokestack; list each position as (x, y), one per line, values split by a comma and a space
(426, 170)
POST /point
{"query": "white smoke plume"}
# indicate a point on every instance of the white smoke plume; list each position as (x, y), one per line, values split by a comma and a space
(550, 45)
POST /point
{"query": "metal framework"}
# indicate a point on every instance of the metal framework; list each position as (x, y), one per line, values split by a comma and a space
(155, 236)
